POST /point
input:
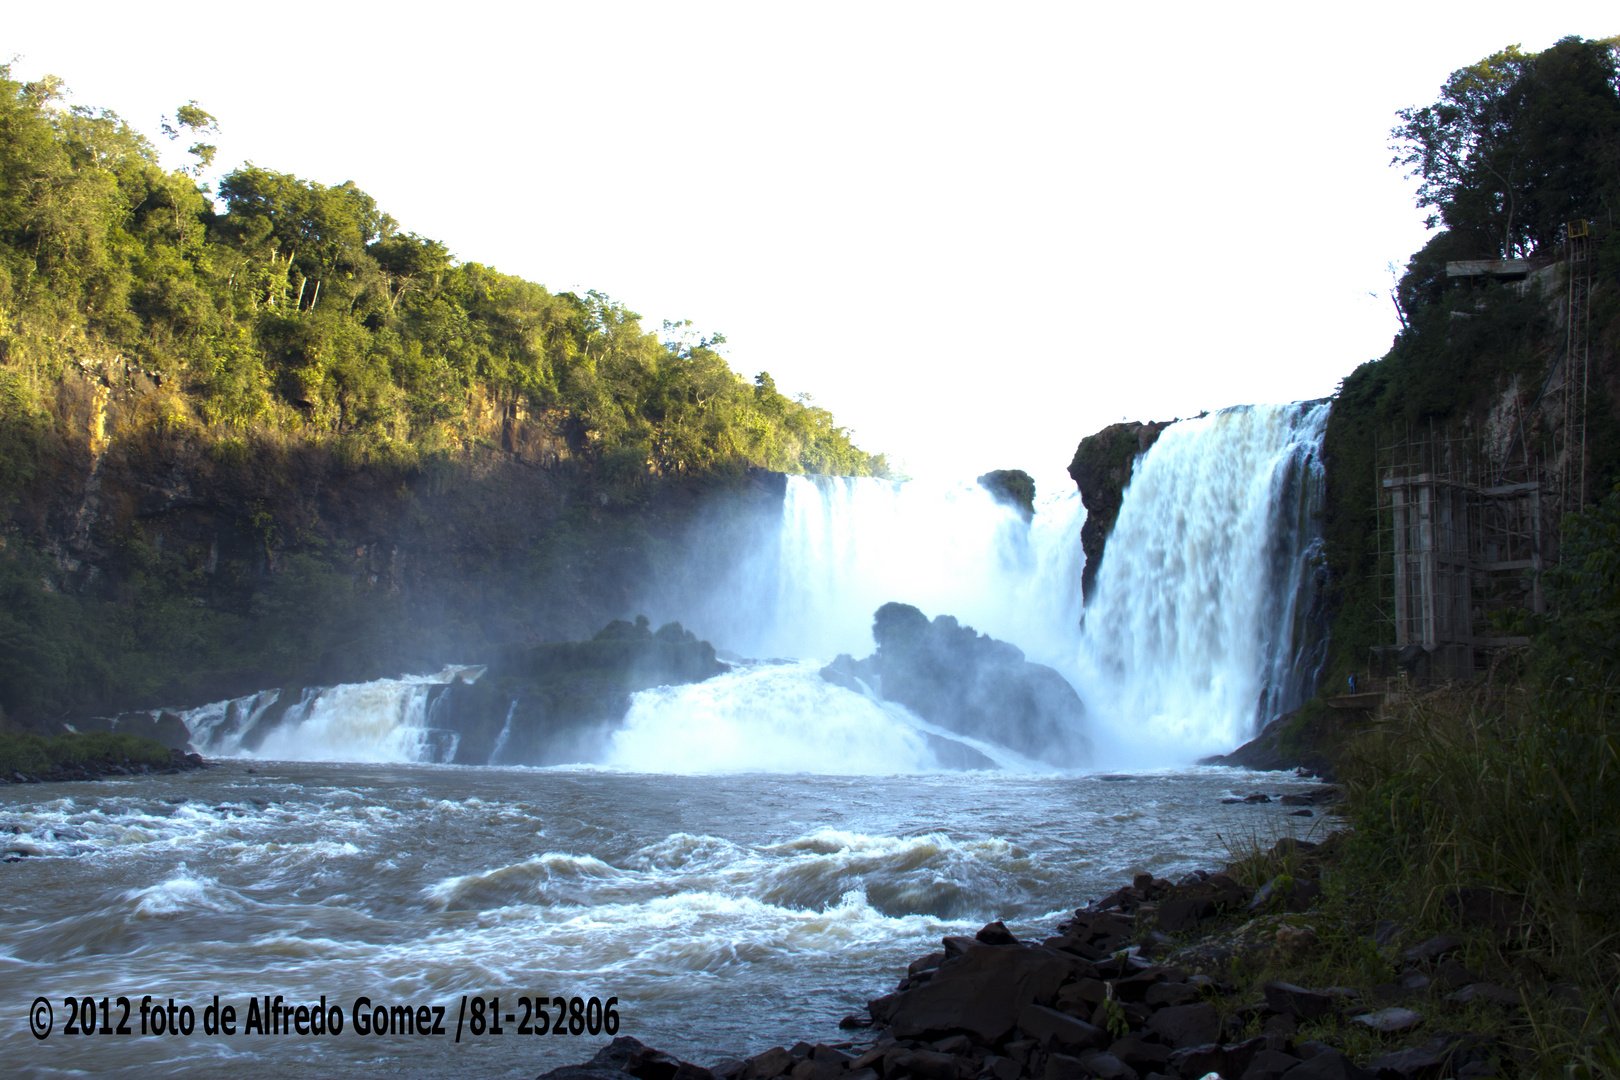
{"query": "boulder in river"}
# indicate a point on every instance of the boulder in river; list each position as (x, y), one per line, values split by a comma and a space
(971, 684)
(557, 702)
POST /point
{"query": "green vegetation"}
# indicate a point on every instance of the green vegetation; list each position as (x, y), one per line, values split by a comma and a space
(1492, 809)
(1515, 147)
(33, 754)
(266, 435)
(1489, 810)
(301, 308)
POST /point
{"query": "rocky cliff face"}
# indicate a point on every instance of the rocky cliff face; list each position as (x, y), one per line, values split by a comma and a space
(1101, 469)
(180, 565)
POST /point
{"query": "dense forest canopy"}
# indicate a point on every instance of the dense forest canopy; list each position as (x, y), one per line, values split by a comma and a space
(291, 305)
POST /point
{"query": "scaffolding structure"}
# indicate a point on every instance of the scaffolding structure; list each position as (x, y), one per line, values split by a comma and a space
(1577, 363)
(1461, 537)
(1458, 540)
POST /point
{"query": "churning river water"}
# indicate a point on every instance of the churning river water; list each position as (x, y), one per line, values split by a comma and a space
(726, 913)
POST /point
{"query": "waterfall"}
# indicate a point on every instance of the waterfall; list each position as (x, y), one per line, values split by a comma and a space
(504, 736)
(1197, 632)
(1202, 626)
(385, 720)
(846, 546)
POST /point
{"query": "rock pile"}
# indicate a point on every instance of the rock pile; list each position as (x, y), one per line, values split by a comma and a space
(1108, 996)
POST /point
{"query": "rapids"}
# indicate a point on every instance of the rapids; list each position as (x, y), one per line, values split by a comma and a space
(728, 914)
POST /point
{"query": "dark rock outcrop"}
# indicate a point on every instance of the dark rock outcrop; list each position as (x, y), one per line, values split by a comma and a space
(1302, 739)
(1014, 487)
(1101, 469)
(977, 686)
(558, 702)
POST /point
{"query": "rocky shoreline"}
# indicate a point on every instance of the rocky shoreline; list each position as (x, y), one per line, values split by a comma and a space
(97, 769)
(1142, 984)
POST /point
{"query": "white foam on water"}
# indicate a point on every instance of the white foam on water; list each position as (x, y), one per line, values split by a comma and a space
(767, 718)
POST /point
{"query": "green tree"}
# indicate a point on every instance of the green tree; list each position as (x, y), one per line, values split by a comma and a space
(1517, 145)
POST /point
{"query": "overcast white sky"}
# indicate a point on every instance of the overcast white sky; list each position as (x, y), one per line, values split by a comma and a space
(976, 232)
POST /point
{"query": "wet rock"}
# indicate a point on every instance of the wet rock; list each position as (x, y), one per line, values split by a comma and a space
(997, 1067)
(1186, 1025)
(852, 674)
(1301, 813)
(1140, 1054)
(1101, 469)
(1135, 987)
(1063, 1067)
(1416, 1063)
(977, 686)
(1049, 1027)
(628, 1056)
(995, 933)
(1269, 1065)
(1296, 1001)
(1385, 931)
(1181, 916)
(1297, 800)
(1082, 998)
(1170, 994)
(1328, 1064)
(1199, 1060)
(1391, 1021)
(1105, 1066)
(773, 1062)
(981, 994)
(926, 963)
(928, 1064)
(1257, 797)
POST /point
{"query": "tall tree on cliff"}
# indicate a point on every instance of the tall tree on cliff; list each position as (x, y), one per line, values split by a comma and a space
(1518, 144)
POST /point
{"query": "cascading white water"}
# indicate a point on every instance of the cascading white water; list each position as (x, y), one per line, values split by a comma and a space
(385, 720)
(780, 718)
(847, 546)
(1192, 636)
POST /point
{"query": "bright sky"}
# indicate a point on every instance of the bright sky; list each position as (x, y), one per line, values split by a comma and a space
(976, 233)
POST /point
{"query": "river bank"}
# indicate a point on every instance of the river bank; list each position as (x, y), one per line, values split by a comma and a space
(1182, 980)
